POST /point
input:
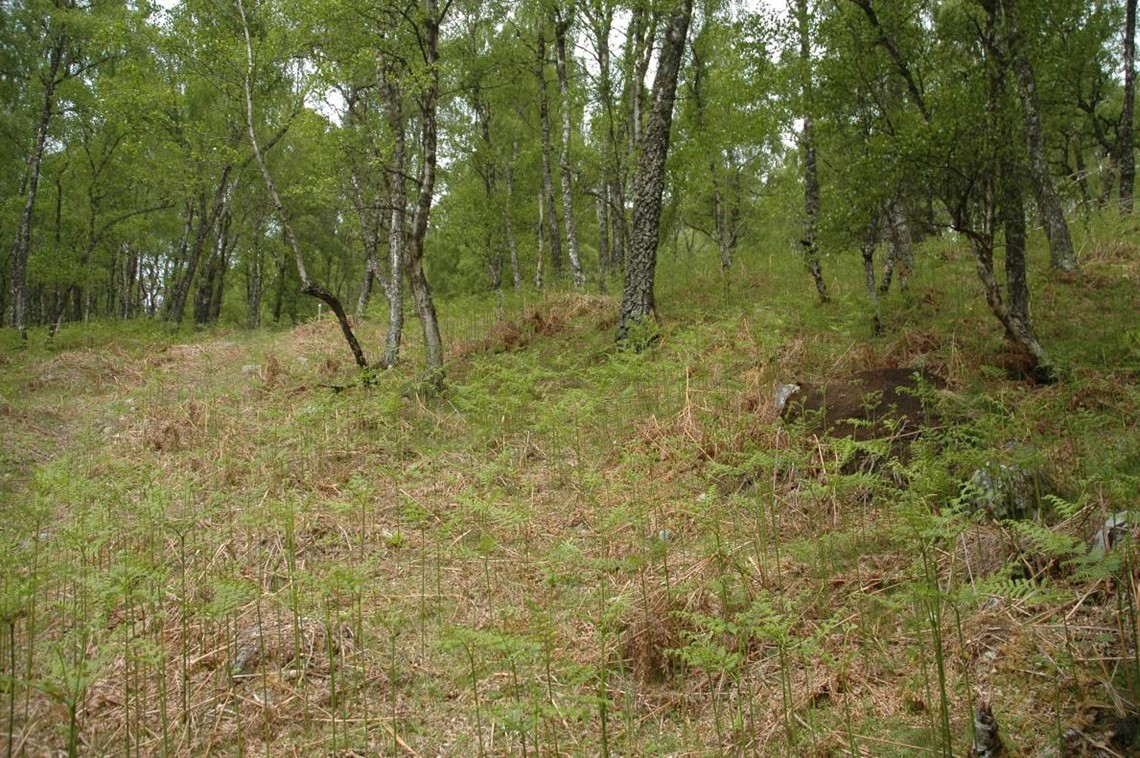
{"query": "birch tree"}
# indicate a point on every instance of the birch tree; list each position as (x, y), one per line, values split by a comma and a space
(638, 304)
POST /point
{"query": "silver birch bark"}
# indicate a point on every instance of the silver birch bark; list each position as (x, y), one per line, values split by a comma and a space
(562, 22)
(1048, 204)
(509, 220)
(21, 246)
(807, 146)
(553, 239)
(397, 202)
(308, 286)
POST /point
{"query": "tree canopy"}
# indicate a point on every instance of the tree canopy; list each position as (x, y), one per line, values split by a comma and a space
(474, 145)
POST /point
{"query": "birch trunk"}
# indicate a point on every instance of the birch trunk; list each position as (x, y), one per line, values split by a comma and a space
(807, 145)
(561, 28)
(398, 204)
(429, 135)
(553, 238)
(649, 181)
(1048, 204)
(509, 220)
(21, 246)
(308, 286)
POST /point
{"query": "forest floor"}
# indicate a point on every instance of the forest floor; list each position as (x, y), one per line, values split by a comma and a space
(226, 543)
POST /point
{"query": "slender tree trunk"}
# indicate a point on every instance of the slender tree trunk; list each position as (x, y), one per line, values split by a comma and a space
(254, 277)
(1052, 215)
(649, 181)
(900, 247)
(214, 264)
(509, 219)
(1081, 174)
(601, 21)
(870, 241)
(279, 290)
(417, 280)
(487, 169)
(398, 203)
(640, 35)
(618, 223)
(1012, 211)
(603, 202)
(1004, 205)
(307, 285)
(639, 51)
(807, 145)
(553, 238)
(368, 220)
(1127, 157)
(561, 27)
(539, 236)
(220, 286)
(207, 219)
(21, 246)
(713, 161)
(370, 239)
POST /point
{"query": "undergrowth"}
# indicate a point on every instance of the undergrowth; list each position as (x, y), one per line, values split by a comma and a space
(576, 548)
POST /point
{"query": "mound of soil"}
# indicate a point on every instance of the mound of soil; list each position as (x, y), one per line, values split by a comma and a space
(884, 402)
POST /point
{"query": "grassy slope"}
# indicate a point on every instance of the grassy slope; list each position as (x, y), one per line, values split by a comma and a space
(205, 549)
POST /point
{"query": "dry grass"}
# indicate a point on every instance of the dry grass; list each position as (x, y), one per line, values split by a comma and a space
(276, 569)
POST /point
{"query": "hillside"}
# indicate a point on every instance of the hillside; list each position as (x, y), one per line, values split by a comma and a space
(227, 542)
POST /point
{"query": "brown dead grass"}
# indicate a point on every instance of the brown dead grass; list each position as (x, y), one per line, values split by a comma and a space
(554, 315)
(523, 553)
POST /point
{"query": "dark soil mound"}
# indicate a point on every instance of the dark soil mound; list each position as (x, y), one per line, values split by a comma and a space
(872, 404)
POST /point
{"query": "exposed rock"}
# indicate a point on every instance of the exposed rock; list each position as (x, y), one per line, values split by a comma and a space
(1007, 490)
(1114, 528)
(784, 393)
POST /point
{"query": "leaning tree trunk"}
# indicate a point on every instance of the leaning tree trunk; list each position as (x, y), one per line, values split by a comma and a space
(807, 144)
(308, 286)
(555, 241)
(561, 27)
(206, 222)
(1127, 159)
(649, 180)
(1049, 205)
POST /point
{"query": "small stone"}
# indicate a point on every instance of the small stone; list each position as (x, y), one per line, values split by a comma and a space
(784, 393)
(1114, 527)
(665, 535)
